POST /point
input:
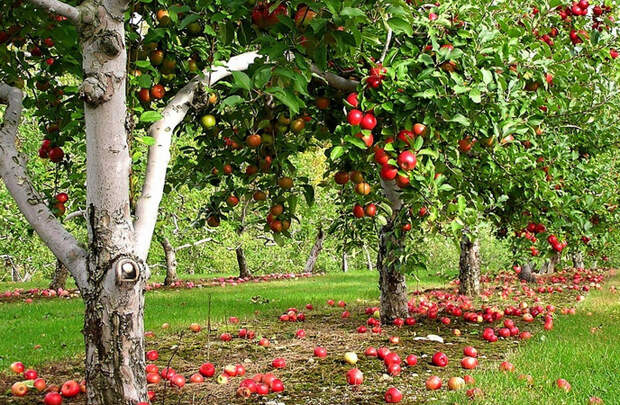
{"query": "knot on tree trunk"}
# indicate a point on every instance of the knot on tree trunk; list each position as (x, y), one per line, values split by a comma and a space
(110, 43)
(97, 89)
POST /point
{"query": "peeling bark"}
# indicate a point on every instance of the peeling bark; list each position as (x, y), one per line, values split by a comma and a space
(171, 261)
(315, 251)
(391, 280)
(469, 266)
(59, 279)
(113, 323)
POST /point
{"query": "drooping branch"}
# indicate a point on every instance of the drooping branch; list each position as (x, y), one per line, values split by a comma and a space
(159, 154)
(386, 47)
(60, 8)
(32, 205)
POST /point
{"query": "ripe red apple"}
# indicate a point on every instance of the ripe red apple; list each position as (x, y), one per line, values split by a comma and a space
(264, 342)
(440, 359)
(391, 358)
(370, 210)
(320, 352)
(352, 99)
(433, 383)
(239, 370)
(277, 385)
(411, 360)
(300, 334)
(389, 172)
(178, 380)
(30, 374)
(355, 117)
(407, 160)
(70, 389)
(371, 352)
(563, 384)
(52, 398)
(358, 211)
(507, 366)
(230, 370)
(368, 121)
(17, 367)
(355, 377)
(469, 363)
(393, 396)
(152, 355)
(394, 340)
(39, 384)
(469, 380)
(207, 370)
(167, 373)
(226, 337)
(153, 378)
(278, 362)
(470, 351)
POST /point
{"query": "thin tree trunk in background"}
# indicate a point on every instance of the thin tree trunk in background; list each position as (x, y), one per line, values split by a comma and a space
(527, 273)
(315, 251)
(469, 266)
(243, 267)
(578, 260)
(171, 261)
(549, 266)
(59, 279)
(368, 259)
(345, 262)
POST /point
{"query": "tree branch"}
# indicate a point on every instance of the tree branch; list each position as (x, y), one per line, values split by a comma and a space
(194, 244)
(159, 154)
(388, 40)
(13, 171)
(60, 8)
(334, 80)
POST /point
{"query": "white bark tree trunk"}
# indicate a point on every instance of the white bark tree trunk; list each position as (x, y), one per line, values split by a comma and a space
(315, 251)
(344, 261)
(549, 266)
(578, 260)
(171, 261)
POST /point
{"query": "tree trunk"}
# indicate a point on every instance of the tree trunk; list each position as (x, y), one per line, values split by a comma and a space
(345, 261)
(171, 261)
(369, 265)
(315, 251)
(578, 260)
(391, 280)
(113, 322)
(549, 266)
(469, 266)
(59, 280)
(527, 273)
(243, 267)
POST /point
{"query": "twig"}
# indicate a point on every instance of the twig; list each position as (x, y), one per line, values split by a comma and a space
(388, 40)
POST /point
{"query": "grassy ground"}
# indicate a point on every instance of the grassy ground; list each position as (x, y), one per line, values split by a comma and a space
(589, 359)
(55, 324)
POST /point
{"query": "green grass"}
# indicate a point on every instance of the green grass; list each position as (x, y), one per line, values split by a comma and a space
(589, 362)
(56, 324)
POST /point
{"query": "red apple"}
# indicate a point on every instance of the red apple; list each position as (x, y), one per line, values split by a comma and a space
(392, 396)
(70, 389)
(207, 370)
(433, 383)
(355, 377)
(440, 359)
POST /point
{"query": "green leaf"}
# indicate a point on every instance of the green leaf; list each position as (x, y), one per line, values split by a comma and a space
(336, 153)
(352, 12)
(400, 26)
(242, 80)
(232, 100)
(460, 118)
(147, 140)
(262, 76)
(475, 95)
(487, 76)
(308, 194)
(355, 141)
(188, 20)
(150, 116)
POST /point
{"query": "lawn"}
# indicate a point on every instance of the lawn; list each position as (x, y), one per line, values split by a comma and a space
(589, 359)
(55, 324)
